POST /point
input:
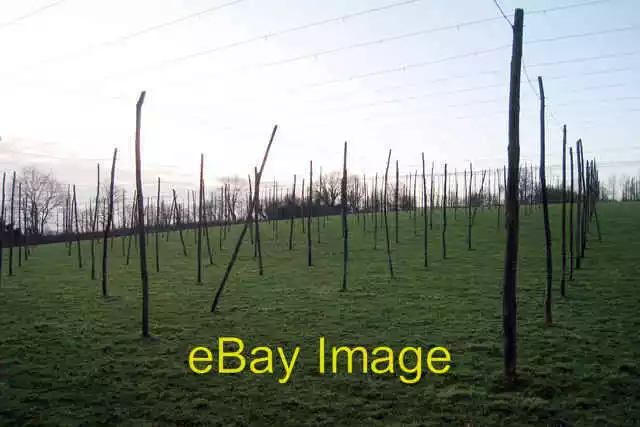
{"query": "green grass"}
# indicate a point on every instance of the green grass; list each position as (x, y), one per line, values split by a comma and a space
(70, 357)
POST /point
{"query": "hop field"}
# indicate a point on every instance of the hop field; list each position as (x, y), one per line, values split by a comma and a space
(71, 357)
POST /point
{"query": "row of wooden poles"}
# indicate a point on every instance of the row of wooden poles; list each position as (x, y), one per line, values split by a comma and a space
(586, 207)
(361, 197)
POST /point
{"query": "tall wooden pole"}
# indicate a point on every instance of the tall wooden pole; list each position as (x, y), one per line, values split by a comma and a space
(345, 225)
(444, 215)
(424, 208)
(144, 274)
(545, 207)
(11, 224)
(386, 220)
(512, 204)
(199, 254)
(107, 228)
(310, 213)
(564, 211)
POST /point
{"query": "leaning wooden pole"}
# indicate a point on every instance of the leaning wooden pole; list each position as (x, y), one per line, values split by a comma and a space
(144, 274)
(512, 204)
(179, 223)
(345, 225)
(107, 228)
(545, 208)
(247, 224)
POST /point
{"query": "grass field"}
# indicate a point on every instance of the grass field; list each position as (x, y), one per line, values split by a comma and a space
(70, 357)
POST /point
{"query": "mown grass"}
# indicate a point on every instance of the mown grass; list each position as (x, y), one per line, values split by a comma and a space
(70, 357)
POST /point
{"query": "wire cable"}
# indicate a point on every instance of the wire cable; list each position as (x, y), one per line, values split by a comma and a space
(32, 13)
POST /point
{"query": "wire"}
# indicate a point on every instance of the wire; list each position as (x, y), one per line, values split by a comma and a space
(317, 54)
(587, 34)
(124, 38)
(502, 12)
(271, 35)
(32, 13)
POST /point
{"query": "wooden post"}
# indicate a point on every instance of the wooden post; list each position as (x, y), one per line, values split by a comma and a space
(257, 220)
(20, 224)
(397, 206)
(11, 227)
(345, 225)
(205, 223)
(124, 221)
(178, 222)
(132, 231)
(564, 211)
(469, 198)
(386, 221)
(144, 274)
(107, 228)
(302, 214)
(578, 234)
(512, 204)
(545, 207)
(431, 200)
(199, 254)
(375, 213)
(157, 228)
(4, 227)
(424, 208)
(94, 223)
(444, 215)
(310, 208)
(75, 213)
(292, 210)
(414, 203)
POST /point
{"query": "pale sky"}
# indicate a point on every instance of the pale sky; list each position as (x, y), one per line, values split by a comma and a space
(218, 79)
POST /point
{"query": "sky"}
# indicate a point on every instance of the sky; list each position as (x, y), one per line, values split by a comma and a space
(412, 76)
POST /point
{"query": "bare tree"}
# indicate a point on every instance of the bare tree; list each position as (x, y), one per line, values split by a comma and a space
(613, 183)
(43, 194)
(329, 190)
(236, 186)
(355, 191)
